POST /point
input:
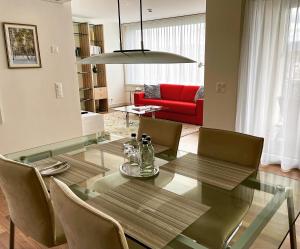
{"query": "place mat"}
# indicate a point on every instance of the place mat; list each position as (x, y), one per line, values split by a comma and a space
(149, 214)
(116, 147)
(217, 173)
(80, 170)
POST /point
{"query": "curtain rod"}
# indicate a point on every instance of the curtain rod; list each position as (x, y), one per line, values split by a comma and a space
(166, 18)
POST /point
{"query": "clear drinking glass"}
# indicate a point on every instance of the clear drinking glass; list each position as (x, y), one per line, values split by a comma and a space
(127, 148)
(134, 157)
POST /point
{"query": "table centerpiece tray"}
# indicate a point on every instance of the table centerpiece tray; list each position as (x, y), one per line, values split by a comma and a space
(134, 171)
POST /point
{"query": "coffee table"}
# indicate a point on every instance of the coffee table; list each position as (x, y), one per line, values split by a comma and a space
(139, 110)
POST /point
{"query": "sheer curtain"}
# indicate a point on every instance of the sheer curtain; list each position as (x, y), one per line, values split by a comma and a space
(269, 85)
(181, 35)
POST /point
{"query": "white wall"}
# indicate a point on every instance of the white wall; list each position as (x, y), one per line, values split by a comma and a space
(32, 114)
(223, 39)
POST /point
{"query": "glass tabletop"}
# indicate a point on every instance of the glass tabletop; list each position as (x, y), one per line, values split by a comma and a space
(140, 110)
(176, 211)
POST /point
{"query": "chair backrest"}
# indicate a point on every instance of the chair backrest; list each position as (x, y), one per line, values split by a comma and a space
(163, 132)
(230, 146)
(84, 226)
(28, 200)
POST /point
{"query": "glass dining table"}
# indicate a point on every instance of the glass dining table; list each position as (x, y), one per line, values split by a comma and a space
(175, 210)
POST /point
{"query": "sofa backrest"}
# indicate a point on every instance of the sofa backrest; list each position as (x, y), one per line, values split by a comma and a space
(188, 93)
(178, 92)
(171, 92)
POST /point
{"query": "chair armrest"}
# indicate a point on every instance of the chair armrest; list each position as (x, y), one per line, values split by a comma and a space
(138, 96)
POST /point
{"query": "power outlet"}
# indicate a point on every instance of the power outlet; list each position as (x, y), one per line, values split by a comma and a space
(59, 90)
(54, 49)
(221, 87)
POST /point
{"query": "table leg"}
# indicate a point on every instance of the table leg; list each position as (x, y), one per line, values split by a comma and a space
(11, 235)
(130, 97)
(127, 119)
(291, 214)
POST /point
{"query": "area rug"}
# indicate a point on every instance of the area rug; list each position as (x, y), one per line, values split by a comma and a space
(115, 123)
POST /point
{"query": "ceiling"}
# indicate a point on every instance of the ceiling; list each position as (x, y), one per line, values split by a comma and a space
(106, 10)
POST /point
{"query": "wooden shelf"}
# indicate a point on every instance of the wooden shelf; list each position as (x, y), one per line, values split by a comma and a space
(85, 89)
(100, 93)
(93, 86)
(84, 100)
(80, 34)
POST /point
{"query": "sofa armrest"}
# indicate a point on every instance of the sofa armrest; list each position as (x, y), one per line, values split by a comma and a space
(138, 96)
(199, 105)
(199, 111)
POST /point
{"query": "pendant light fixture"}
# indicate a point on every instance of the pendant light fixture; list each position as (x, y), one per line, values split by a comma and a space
(135, 56)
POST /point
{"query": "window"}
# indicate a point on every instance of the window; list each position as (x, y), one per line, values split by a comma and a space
(180, 35)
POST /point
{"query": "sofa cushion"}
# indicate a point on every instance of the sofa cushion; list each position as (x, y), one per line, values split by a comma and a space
(199, 94)
(173, 106)
(180, 107)
(170, 92)
(188, 93)
(151, 102)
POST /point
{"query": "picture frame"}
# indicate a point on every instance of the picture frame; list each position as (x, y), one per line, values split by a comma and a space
(22, 45)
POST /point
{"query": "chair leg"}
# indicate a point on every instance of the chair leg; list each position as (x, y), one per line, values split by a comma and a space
(11, 235)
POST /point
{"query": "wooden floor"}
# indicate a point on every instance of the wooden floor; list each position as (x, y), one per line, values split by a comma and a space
(187, 143)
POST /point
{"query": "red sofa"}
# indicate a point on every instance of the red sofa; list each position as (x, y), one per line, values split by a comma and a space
(179, 100)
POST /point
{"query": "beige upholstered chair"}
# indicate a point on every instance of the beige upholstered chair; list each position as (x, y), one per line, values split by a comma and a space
(162, 132)
(29, 203)
(230, 146)
(215, 227)
(85, 226)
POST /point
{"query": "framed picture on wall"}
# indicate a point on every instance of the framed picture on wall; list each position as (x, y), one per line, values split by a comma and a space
(22, 45)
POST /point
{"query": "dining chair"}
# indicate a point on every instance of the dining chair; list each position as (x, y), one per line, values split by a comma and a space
(230, 146)
(162, 132)
(29, 204)
(85, 226)
(216, 227)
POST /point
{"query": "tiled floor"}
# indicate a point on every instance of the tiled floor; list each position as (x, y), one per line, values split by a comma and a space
(187, 143)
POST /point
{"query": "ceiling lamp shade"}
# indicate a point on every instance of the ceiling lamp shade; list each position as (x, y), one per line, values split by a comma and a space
(135, 56)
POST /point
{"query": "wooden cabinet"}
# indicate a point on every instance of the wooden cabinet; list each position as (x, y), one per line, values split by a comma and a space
(89, 41)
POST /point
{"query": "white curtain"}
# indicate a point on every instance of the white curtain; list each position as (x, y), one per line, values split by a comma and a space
(180, 35)
(269, 84)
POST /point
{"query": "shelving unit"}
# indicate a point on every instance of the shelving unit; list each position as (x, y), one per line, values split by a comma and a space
(92, 85)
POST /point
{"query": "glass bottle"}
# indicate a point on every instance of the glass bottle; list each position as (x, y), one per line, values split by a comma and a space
(146, 165)
(144, 136)
(133, 141)
(148, 138)
(134, 153)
